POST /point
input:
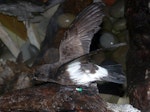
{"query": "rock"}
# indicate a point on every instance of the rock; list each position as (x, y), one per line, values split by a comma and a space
(117, 10)
(109, 2)
(119, 25)
(107, 24)
(120, 55)
(107, 40)
(123, 36)
(64, 20)
(122, 108)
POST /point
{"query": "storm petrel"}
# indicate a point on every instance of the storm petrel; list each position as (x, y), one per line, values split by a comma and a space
(76, 42)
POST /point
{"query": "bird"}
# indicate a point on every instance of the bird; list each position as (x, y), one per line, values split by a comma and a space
(77, 39)
(76, 43)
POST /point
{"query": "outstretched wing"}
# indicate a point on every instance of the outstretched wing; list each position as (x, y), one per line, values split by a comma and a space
(78, 37)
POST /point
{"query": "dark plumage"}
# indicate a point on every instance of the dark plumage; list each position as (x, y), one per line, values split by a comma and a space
(76, 42)
(77, 38)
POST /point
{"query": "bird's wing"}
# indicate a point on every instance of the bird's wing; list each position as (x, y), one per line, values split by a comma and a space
(88, 58)
(78, 37)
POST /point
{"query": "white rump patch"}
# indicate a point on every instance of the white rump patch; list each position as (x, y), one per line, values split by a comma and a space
(80, 77)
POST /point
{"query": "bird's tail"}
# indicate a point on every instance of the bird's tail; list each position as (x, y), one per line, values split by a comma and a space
(115, 74)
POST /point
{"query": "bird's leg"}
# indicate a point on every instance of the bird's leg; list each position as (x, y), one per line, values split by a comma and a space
(94, 87)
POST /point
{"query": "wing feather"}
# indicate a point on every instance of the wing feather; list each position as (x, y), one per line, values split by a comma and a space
(78, 37)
